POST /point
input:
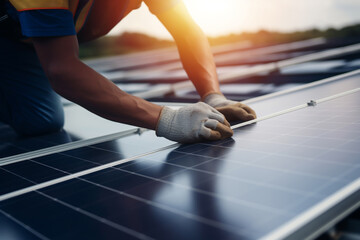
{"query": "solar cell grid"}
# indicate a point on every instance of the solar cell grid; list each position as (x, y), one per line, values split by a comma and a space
(269, 173)
(41, 169)
(279, 101)
(26, 144)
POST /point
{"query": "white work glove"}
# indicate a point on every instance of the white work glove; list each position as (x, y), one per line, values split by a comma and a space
(192, 123)
(233, 111)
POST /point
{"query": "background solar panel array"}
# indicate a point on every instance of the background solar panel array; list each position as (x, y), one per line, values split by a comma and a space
(267, 174)
(140, 72)
(137, 144)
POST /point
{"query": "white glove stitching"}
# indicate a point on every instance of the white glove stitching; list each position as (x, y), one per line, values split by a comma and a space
(188, 124)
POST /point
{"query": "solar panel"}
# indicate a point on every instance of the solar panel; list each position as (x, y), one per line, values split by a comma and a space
(96, 127)
(239, 73)
(22, 145)
(264, 105)
(278, 101)
(166, 56)
(268, 175)
(51, 166)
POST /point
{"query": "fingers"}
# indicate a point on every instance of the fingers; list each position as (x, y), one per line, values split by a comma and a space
(211, 123)
(249, 110)
(226, 123)
(237, 112)
(242, 114)
(193, 123)
(211, 112)
(214, 130)
(224, 130)
(217, 116)
(214, 135)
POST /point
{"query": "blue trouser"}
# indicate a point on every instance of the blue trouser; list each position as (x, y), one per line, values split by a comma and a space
(27, 102)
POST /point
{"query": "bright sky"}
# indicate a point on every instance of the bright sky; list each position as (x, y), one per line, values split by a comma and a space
(219, 17)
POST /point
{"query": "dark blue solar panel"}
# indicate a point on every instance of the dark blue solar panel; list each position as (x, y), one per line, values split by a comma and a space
(244, 187)
(37, 170)
(14, 144)
(292, 99)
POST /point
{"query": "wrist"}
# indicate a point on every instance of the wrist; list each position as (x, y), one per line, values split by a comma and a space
(209, 94)
(164, 122)
(215, 99)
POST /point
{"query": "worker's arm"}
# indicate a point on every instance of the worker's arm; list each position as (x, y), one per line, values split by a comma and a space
(198, 62)
(194, 49)
(74, 80)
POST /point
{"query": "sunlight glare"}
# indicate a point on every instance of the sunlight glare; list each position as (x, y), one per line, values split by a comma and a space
(212, 14)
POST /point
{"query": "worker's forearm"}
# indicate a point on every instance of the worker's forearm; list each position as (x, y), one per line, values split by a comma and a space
(84, 86)
(198, 61)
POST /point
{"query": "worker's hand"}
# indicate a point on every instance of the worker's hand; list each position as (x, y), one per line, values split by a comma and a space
(233, 111)
(193, 123)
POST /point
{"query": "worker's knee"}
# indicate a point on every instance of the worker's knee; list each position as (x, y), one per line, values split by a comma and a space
(39, 124)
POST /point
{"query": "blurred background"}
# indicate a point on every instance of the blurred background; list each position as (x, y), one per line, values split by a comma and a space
(259, 21)
(260, 47)
(266, 52)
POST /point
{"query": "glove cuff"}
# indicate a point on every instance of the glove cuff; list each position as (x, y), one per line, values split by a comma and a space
(215, 99)
(208, 94)
(164, 123)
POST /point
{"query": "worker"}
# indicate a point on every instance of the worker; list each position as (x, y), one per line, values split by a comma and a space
(39, 59)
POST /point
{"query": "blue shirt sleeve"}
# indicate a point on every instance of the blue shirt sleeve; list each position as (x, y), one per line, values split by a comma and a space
(47, 23)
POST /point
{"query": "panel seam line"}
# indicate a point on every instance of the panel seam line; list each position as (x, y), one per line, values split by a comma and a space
(122, 161)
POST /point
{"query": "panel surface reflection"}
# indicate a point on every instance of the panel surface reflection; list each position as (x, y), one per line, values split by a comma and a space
(243, 187)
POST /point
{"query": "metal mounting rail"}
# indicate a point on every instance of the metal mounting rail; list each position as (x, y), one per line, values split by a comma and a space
(68, 146)
(122, 161)
(87, 142)
(305, 86)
